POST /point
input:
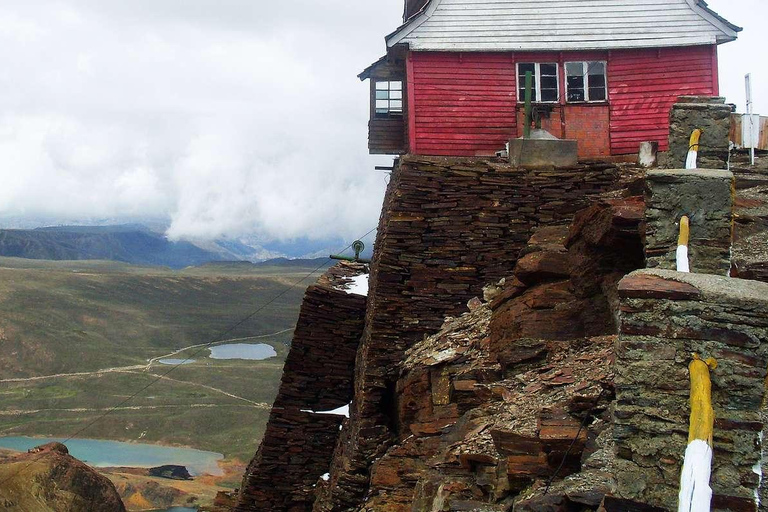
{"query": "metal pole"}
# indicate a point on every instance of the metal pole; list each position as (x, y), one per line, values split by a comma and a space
(748, 80)
(528, 86)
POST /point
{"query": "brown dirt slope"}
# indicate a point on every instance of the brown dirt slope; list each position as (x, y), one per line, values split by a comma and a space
(48, 479)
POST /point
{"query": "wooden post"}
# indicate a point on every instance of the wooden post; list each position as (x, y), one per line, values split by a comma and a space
(695, 492)
(528, 85)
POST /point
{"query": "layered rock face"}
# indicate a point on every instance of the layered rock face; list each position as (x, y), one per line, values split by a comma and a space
(667, 316)
(508, 404)
(713, 117)
(298, 443)
(448, 226)
(48, 479)
(515, 392)
(706, 196)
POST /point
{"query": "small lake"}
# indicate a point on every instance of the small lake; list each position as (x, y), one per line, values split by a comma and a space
(175, 361)
(101, 454)
(256, 351)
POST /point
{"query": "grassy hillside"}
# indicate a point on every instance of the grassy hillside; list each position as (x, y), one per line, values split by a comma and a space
(104, 321)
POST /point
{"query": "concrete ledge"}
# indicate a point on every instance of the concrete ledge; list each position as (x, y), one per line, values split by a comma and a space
(543, 152)
(668, 284)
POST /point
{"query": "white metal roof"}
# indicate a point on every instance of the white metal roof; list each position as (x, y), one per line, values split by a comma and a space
(525, 25)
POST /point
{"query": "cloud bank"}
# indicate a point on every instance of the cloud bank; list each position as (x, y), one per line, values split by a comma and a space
(226, 117)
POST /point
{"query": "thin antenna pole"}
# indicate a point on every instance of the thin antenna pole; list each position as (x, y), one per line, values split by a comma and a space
(748, 79)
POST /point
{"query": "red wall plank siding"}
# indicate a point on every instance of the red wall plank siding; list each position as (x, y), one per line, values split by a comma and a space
(643, 85)
(463, 104)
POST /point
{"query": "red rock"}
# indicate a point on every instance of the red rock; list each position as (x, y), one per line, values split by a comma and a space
(647, 286)
(541, 266)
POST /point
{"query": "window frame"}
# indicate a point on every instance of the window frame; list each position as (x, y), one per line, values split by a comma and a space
(390, 112)
(585, 66)
(537, 81)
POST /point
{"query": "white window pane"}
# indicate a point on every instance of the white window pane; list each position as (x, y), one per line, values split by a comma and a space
(382, 104)
(396, 86)
(596, 68)
(396, 105)
(396, 95)
(382, 86)
(574, 68)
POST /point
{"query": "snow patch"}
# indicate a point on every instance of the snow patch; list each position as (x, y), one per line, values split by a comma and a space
(359, 285)
(326, 477)
(695, 492)
(339, 411)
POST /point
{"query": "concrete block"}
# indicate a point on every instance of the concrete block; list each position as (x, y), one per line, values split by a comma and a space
(543, 152)
(706, 197)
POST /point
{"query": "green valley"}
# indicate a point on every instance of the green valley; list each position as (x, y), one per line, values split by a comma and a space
(79, 338)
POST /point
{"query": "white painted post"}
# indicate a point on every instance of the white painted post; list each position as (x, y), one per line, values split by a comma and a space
(748, 79)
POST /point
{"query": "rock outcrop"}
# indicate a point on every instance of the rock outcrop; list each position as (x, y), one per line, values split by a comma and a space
(48, 479)
(502, 396)
(515, 393)
(300, 436)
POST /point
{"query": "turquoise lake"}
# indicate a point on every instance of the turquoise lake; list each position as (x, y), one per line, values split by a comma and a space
(253, 351)
(100, 453)
(176, 361)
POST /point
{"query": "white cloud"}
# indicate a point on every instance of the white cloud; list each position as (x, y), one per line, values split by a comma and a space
(229, 117)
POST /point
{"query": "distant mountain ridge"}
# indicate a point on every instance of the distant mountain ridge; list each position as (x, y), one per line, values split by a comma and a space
(139, 245)
(126, 243)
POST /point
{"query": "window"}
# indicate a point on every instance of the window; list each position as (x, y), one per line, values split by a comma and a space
(545, 81)
(585, 81)
(389, 98)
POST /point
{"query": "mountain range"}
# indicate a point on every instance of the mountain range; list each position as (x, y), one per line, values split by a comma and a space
(138, 244)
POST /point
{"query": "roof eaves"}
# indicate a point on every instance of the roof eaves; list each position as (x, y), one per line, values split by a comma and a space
(703, 4)
(411, 23)
(366, 73)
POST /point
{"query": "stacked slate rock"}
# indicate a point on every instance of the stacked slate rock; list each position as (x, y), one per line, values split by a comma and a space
(448, 227)
(298, 443)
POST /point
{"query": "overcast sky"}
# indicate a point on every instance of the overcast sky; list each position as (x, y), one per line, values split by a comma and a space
(228, 117)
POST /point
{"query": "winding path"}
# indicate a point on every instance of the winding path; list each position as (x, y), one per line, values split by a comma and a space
(145, 369)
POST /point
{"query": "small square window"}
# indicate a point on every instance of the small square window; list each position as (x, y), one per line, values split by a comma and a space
(586, 81)
(389, 98)
(545, 85)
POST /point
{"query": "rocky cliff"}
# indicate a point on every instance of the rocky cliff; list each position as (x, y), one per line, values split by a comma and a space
(486, 375)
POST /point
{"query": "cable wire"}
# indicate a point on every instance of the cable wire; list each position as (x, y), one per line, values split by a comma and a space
(221, 336)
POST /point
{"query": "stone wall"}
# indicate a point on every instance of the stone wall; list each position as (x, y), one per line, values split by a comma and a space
(713, 117)
(665, 317)
(448, 227)
(297, 444)
(707, 197)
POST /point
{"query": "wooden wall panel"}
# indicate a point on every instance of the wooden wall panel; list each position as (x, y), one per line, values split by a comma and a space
(644, 84)
(464, 104)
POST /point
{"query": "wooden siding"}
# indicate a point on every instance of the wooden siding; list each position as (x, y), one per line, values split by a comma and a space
(463, 105)
(527, 25)
(387, 135)
(736, 132)
(643, 85)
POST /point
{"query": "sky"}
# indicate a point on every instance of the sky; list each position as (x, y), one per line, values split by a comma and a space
(225, 118)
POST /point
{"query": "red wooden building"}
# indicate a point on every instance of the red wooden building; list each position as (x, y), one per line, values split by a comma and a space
(605, 72)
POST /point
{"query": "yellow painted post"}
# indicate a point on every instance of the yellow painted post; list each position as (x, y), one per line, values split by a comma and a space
(693, 149)
(682, 245)
(702, 413)
(695, 492)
